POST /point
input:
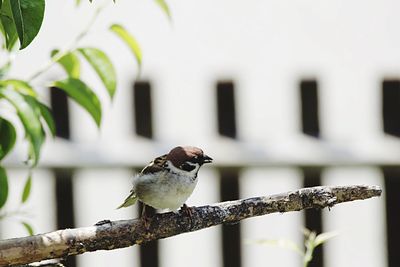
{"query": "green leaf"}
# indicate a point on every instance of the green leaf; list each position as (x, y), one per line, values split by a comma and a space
(29, 118)
(130, 41)
(34, 104)
(3, 32)
(323, 237)
(27, 189)
(83, 95)
(48, 117)
(7, 21)
(28, 228)
(20, 86)
(164, 7)
(306, 232)
(5, 68)
(42, 111)
(103, 67)
(3, 187)
(70, 62)
(28, 18)
(8, 136)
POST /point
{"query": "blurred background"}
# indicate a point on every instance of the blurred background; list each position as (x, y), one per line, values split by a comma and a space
(282, 94)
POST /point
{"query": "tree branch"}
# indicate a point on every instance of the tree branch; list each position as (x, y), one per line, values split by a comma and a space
(124, 233)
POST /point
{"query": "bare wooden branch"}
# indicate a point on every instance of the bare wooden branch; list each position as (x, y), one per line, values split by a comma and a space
(119, 234)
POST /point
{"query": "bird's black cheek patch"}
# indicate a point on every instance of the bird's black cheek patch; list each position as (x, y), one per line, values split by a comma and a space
(187, 167)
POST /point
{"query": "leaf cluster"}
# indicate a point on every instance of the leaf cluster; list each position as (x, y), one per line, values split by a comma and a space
(20, 22)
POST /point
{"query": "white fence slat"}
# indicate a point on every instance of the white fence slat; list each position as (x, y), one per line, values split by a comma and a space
(361, 224)
(201, 248)
(260, 182)
(97, 193)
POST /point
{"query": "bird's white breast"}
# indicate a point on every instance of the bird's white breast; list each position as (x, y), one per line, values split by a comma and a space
(166, 190)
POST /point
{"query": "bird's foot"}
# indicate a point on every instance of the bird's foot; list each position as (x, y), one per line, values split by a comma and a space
(146, 221)
(189, 212)
(102, 222)
(146, 217)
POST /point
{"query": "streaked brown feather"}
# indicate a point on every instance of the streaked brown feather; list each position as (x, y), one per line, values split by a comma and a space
(156, 165)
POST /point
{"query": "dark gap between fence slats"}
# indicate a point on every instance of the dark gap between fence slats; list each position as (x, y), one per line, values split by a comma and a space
(391, 107)
(309, 107)
(149, 252)
(149, 256)
(229, 178)
(143, 109)
(391, 125)
(392, 197)
(231, 237)
(65, 204)
(313, 217)
(63, 177)
(142, 100)
(312, 176)
(226, 113)
(60, 110)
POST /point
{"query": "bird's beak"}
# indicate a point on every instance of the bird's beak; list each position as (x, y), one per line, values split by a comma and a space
(207, 159)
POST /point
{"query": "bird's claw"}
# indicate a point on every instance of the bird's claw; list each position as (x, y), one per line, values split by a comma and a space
(189, 212)
(146, 222)
(145, 218)
(102, 222)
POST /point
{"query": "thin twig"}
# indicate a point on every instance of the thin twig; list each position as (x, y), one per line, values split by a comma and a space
(119, 234)
(57, 56)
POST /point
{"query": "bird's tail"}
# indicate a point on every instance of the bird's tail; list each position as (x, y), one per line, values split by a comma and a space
(129, 201)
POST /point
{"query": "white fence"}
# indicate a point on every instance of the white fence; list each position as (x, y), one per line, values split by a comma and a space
(102, 172)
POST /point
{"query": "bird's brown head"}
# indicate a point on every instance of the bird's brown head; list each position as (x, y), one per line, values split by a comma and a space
(181, 155)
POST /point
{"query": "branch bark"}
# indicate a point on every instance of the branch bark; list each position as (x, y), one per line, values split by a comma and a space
(124, 233)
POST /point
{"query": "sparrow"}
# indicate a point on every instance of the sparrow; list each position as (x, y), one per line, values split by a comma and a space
(168, 180)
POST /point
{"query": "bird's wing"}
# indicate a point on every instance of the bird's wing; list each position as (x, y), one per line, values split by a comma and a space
(156, 165)
(129, 201)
